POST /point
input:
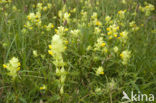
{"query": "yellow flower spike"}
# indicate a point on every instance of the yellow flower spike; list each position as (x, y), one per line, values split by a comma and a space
(4, 66)
(103, 44)
(50, 52)
(50, 46)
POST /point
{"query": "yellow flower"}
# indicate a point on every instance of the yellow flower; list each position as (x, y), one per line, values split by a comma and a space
(4, 66)
(14, 8)
(66, 42)
(94, 16)
(115, 49)
(19, 64)
(65, 47)
(56, 30)
(108, 29)
(49, 5)
(18, 69)
(121, 55)
(43, 87)
(13, 66)
(35, 53)
(107, 19)
(109, 33)
(49, 26)
(105, 50)
(52, 26)
(125, 56)
(31, 16)
(98, 23)
(66, 29)
(50, 52)
(45, 8)
(99, 71)
(97, 30)
(31, 28)
(110, 37)
(33, 6)
(124, 34)
(115, 35)
(103, 44)
(117, 27)
(121, 13)
(49, 46)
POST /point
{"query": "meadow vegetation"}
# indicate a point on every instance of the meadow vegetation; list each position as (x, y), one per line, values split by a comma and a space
(76, 51)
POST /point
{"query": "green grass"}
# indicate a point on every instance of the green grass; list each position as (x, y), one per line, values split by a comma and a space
(80, 64)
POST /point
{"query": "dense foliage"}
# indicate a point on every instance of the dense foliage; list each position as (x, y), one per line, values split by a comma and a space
(76, 51)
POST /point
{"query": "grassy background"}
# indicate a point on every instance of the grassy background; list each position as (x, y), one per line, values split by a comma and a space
(81, 81)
